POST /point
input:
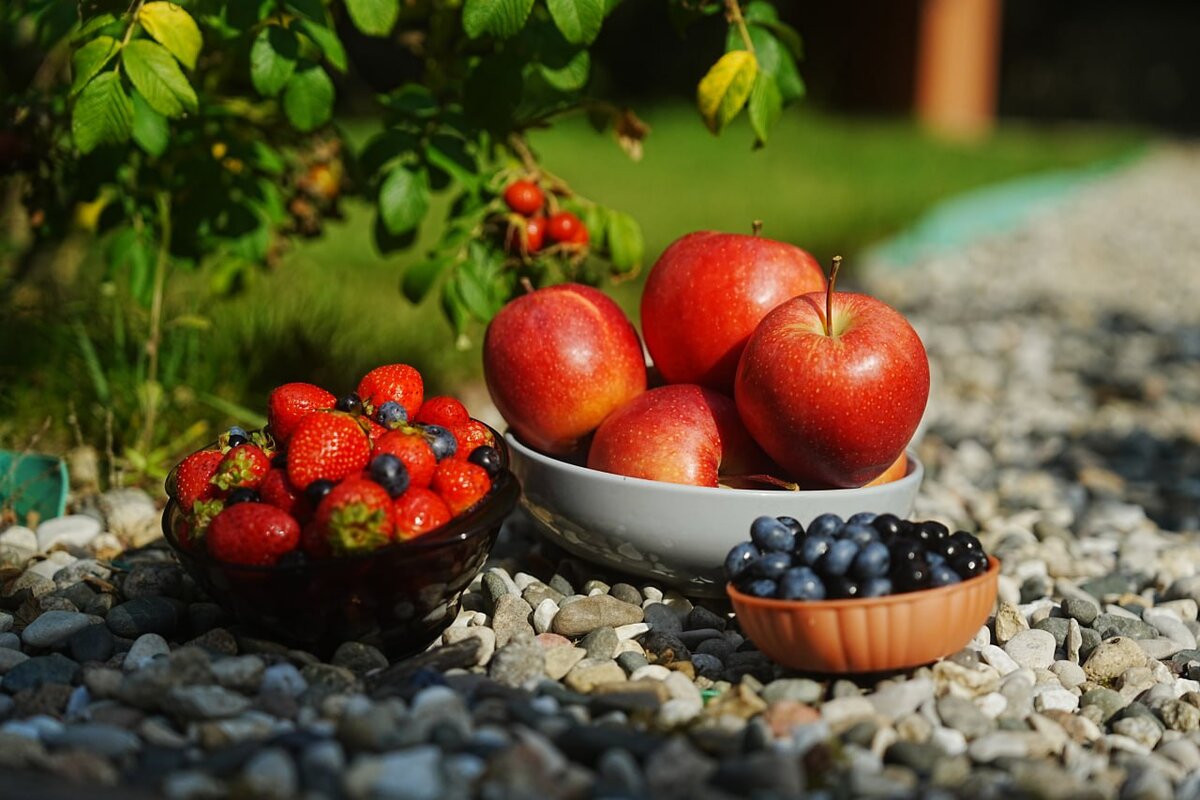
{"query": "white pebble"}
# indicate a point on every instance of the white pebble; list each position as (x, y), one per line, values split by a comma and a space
(653, 672)
(995, 657)
(543, 615)
(629, 631)
(992, 704)
(1056, 700)
(951, 742)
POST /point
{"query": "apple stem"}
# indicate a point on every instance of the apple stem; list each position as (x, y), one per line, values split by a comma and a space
(527, 285)
(756, 227)
(837, 264)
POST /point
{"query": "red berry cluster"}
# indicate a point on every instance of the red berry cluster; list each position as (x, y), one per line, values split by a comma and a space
(336, 476)
(530, 229)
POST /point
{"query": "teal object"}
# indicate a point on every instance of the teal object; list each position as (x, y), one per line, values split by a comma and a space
(33, 482)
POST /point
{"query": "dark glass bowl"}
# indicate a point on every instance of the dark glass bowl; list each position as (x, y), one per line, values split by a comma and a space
(398, 598)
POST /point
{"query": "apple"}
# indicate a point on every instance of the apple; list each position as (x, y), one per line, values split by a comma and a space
(895, 472)
(832, 386)
(557, 361)
(706, 294)
(681, 433)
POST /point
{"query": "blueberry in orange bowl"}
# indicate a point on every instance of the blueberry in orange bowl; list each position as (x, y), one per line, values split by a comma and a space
(869, 593)
(356, 518)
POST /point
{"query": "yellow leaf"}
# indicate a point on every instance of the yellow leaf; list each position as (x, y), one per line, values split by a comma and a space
(174, 29)
(726, 88)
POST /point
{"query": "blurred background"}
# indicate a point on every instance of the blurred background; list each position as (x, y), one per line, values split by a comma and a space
(910, 104)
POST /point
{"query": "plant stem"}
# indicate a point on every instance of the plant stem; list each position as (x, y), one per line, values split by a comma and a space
(837, 264)
(154, 336)
(733, 13)
(134, 8)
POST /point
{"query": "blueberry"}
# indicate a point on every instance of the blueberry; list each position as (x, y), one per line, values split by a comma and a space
(862, 518)
(762, 587)
(389, 472)
(858, 533)
(391, 414)
(968, 565)
(488, 458)
(440, 440)
(911, 574)
(793, 524)
(942, 575)
(888, 525)
(234, 440)
(905, 551)
(351, 403)
(316, 491)
(292, 558)
(872, 561)
(739, 558)
(279, 460)
(826, 525)
(242, 494)
(772, 565)
(967, 542)
(932, 531)
(839, 558)
(238, 430)
(771, 535)
(875, 587)
(934, 558)
(814, 547)
(801, 583)
(842, 587)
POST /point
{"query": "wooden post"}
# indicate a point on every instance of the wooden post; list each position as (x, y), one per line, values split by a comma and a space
(957, 60)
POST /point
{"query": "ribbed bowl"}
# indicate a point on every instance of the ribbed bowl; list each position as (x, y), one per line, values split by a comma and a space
(868, 635)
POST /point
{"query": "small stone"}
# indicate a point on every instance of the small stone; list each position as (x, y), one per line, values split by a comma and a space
(18, 544)
(708, 666)
(543, 615)
(964, 716)
(589, 672)
(1056, 627)
(902, 698)
(143, 615)
(35, 672)
(664, 647)
(495, 586)
(147, 648)
(6, 622)
(1112, 657)
(413, 774)
(1081, 609)
(635, 629)
(53, 628)
(700, 617)
(9, 658)
(76, 530)
(593, 612)
(283, 678)
(837, 713)
(510, 617)
(560, 660)
(1031, 648)
(270, 773)
(108, 741)
(520, 661)
(998, 658)
(1144, 730)
(359, 658)
(626, 594)
(1106, 703)
(801, 690)
(1171, 626)
(486, 637)
(1110, 625)
(600, 643)
(240, 673)
(1008, 623)
(132, 516)
(326, 680)
(662, 619)
(631, 662)
(1180, 716)
(1069, 673)
(1055, 700)
(655, 672)
(204, 702)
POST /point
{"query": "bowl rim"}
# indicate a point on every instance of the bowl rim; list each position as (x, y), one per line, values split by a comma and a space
(778, 605)
(915, 474)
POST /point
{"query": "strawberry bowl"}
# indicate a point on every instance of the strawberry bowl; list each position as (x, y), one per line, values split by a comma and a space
(398, 597)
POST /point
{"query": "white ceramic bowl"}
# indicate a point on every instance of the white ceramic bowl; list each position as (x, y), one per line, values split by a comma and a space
(674, 533)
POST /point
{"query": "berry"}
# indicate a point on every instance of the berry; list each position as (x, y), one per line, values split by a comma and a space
(278, 491)
(388, 471)
(355, 517)
(471, 434)
(373, 428)
(842, 587)
(328, 445)
(888, 525)
(814, 547)
(862, 518)
(524, 197)
(242, 495)
(244, 466)
(563, 227)
(858, 533)
(771, 565)
(460, 484)
(875, 587)
(317, 490)
(235, 437)
(313, 542)
(969, 564)
(391, 415)
(872, 561)
(193, 478)
(967, 542)
(349, 403)
(801, 583)
(444, 411)
(419, 511)
(441, 440)
(581, 237)
(793, 524)
(488, 458)
(839, 558)
(739, 559)
(252, 533)
(290, 403)
(535, 235)
(414, 451)
(943, 575)
(772, 535)
(761, 587)
(398, 382)
(932, 531)
(911, 574)
(825, 525)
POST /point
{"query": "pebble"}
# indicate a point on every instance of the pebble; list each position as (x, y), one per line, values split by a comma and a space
(522, 660)
(204, 702)
(283, 678)
(147, 648)
(486, 637)
(1031, 648)
(76, 530)
(142, 615)
(543, 615)
(35, 672)
(270, 773)
(1111, 658)
(53, 628)
(591, 672)
(359, 658)
(560, 660)
(510, 617)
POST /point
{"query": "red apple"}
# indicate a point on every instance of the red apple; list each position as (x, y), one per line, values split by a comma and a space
(680, 433)
(835, 404)
(706, 294)
(558, 360)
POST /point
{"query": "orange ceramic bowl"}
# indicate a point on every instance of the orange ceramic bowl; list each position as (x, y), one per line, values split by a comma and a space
(872, 634)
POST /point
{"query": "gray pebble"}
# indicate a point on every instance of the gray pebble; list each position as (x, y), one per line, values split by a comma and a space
(626, 594)
(143, 615)
(108, 741)
(600, 643)
(54, 668)
(204, 702)
(359, 658)
(519, 662)
(662, 619)
(283, 678)
(590, 613)
(708, 666)
(270, 773)
(147, 648)
(1083, 610)
(53, 628)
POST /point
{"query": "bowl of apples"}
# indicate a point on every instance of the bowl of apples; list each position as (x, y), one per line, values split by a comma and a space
(361, 517)
(772, 393)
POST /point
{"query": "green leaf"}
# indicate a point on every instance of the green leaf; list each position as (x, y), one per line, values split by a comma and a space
(625, 244)
(93, 25)
(88, 60)
(174, 29)
(773, 58)
(759, 11)
(157, 76)
(765, 106)
(579, 20)
(787, 35)
(327, 41)
(500, 18)
(419, 279)
(595, 217)
(450, 155)
(272, 59)
(102, 114)
(403, 200)
(726, 88)
(150, 130)
(267, 158)
(384, 148)
(312, 9)
(374, 17)
(571, 77)
(308, 98)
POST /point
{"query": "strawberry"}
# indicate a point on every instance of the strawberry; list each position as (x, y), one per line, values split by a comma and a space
(444, 411)
(460, 483)
(419, 511)
(278, 491)
(244, 466)
(313, 543)
(193, 478)
(374, 429)
(252, 533)
(414, 451)
(327, 445)
(471, 434)
(292, 402)
(398, 382)
(355, 517)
